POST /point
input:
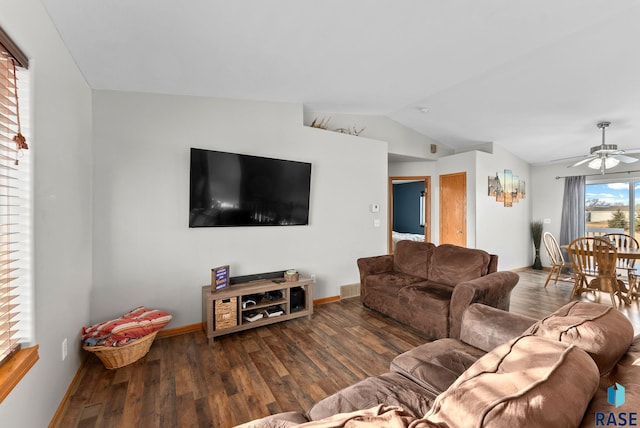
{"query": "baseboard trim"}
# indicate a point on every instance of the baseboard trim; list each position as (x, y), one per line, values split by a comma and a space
(180, 330)
(326, 300)
(544, 268)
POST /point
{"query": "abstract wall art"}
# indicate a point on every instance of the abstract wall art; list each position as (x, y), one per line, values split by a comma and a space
(506, 188)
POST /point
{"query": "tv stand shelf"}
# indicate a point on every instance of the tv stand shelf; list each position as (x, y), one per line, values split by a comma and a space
(222, 311)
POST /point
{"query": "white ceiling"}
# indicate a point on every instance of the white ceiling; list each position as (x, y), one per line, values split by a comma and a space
(532, 76)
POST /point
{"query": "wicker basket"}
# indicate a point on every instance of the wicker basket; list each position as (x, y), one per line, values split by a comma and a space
(114, 357)
(226, 313)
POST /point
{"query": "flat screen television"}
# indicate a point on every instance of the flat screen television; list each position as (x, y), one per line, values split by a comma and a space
(231, 189)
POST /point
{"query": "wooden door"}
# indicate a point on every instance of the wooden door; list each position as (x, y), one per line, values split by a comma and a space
(453, 209)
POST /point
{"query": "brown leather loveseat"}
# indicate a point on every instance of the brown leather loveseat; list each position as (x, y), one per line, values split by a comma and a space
(429, 287)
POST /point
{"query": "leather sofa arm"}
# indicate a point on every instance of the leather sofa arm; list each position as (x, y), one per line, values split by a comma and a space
(485, 327)
(492, 290)
(374, 265)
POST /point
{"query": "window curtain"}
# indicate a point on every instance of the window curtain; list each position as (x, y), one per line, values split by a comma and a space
(573, 209)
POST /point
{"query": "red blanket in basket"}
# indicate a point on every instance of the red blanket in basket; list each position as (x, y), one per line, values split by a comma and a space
(120, 331)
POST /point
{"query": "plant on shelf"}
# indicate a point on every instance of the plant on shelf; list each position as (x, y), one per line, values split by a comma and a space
(536, 236)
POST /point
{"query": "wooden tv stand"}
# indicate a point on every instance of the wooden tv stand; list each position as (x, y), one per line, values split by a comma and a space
(222, 311)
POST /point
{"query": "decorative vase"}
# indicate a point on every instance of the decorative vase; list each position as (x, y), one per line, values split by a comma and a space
(537, 264)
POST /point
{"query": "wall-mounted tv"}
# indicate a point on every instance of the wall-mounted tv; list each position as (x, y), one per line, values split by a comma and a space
(231, 189)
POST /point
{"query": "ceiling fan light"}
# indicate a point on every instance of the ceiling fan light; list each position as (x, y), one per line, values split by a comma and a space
(595, 164)
(611, 162)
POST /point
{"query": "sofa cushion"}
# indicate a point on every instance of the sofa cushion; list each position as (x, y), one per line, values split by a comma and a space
(133, 325)
(413, 257)
(529, 381)
(436, 365)
(632, 356)
(428, 297)
(391, 389)
(602, 331)
(451, 264)
(390, 283)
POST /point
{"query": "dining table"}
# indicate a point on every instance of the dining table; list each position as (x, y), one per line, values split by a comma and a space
(624, 253)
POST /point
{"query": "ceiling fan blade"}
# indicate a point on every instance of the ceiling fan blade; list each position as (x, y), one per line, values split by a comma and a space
(585, 160)
(626, 159)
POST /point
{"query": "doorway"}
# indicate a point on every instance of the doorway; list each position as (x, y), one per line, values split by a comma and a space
(413, 209)
(453, 209)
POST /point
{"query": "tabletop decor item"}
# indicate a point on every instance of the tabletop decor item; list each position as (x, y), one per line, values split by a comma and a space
(219, 278)
(291, 275)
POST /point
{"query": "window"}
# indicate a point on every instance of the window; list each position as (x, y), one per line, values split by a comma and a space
(15, 215)
(612, 205)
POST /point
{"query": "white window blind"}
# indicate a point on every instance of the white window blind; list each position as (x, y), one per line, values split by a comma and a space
(14, 207)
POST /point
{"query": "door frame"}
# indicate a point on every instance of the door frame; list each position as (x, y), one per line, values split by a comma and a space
(427, 206)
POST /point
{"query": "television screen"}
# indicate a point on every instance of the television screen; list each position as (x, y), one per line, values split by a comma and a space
(230, 189)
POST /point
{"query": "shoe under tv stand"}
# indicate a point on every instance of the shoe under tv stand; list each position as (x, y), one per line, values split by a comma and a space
(222, 311)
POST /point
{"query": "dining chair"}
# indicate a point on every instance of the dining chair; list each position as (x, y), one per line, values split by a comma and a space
(555, 256)
(594, 265)
(626, 266)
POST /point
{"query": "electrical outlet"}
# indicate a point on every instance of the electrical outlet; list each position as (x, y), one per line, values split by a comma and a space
(64, 349)
(313, 277)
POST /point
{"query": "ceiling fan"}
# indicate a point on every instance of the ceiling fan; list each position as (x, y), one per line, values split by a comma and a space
(605, 155)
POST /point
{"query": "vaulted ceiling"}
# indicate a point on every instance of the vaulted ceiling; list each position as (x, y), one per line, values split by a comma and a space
(532, 76)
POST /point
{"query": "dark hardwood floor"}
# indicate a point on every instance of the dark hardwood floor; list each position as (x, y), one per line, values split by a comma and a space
(532, 299)
(184, 382)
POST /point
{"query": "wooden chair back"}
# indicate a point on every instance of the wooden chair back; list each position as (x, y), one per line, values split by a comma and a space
(593, 256)
(594, 262)
(623, 241)
(553, 249)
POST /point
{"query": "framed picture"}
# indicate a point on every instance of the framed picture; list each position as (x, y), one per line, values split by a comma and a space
(219, 278)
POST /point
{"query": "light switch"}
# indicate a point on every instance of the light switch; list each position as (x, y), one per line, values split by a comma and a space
(547, 221)
(375, 208)
(376, 222)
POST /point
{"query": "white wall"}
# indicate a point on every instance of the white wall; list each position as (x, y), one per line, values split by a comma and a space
(408, 169)
(490, 226)
(144, 251)
(504, 230)
(61, 146)
(547, 203)
(403, 141)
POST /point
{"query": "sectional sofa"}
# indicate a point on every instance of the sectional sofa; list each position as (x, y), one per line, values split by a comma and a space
(579, 366)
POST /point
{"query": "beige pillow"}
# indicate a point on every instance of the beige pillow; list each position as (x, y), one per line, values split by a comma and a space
(529, 381)
(602, 331)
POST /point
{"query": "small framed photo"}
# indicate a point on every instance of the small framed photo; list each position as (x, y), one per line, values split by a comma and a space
(219, 278)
